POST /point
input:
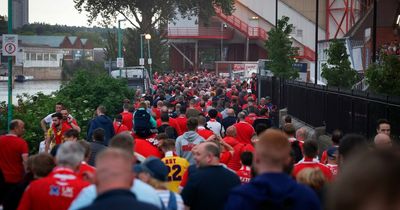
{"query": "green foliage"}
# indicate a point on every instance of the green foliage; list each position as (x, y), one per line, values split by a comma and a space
(111, 51)
(81, 95)
(338, 71)
(69, 69)
(145, 15)
(3, 25)
(384, 78)
(280, 50)
(158, 52)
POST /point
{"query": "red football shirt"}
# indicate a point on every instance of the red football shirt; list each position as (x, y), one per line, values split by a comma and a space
(119, 128)
(157, 112)
(12, 148)
(225, 157)
(203, 132)
(334, 169)
(182, 123)
(85, 168)
(244, 132)
(147, 147)
(127, 119)
(309, 163)
(172, 122)
(59, 135)
(234, 163)
(54, 192)
(244, 174)
(250, 118)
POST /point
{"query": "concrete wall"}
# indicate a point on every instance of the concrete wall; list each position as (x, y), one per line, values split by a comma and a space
(39, 73)
(307, 8)
(266, 9)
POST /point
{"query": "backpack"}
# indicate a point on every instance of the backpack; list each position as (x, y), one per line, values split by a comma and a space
(171, 202)
(142, 125)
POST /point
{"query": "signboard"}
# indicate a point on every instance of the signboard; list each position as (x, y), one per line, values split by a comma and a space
(238, 67)
(301, 67)
(250, 68)
(141, 61)
(149, 61)
(120, 62)
(10, 44)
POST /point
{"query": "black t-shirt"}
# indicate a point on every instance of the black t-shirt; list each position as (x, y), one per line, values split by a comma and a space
(209, 187)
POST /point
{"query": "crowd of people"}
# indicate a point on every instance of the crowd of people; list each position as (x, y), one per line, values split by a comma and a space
(195, 141)
(390, 48)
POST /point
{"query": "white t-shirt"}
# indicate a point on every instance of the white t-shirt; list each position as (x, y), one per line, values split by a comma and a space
(164, 195)
(216, 127)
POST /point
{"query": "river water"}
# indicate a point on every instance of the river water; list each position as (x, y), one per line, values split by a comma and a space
(30, 87)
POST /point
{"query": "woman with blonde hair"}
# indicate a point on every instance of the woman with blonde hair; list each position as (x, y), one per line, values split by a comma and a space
(314, 178)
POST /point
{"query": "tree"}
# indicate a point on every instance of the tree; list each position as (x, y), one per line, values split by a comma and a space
(145, 15)
(3, 25)
(337, 71)
(384, 78)
(280, 50)
(111, 49)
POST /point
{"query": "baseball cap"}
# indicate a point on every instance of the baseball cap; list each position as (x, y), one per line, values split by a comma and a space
(331, 152)
(155, 167)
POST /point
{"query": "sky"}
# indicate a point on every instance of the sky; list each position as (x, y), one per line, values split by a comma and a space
(60, 12)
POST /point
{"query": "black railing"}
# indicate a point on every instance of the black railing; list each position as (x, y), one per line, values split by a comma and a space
(349, 110)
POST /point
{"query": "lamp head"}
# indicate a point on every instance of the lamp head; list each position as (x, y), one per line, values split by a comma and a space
(147, 36)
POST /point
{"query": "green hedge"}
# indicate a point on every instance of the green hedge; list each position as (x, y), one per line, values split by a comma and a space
(81, 95)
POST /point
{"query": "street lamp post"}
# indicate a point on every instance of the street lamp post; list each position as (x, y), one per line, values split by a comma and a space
(149, 61)
(141, 60)
(10, 78)
(119, 44)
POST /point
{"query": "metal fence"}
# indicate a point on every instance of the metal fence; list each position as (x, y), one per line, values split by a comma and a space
(349, 110)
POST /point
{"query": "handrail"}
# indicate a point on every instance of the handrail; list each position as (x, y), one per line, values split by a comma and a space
(251, 32)
(258, 33)
(200, 32)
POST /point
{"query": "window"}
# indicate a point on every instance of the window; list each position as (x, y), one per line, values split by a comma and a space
(39, 56)
(53, 57)
(27, 56)
(46, 57)
(33, 56)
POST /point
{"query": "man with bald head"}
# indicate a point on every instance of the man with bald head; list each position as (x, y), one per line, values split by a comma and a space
(114, 177)
(209, 187)
(272, 188)
(382, 141)
(230, 119)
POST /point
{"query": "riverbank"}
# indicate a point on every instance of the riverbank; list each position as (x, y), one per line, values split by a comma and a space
(30, 87)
